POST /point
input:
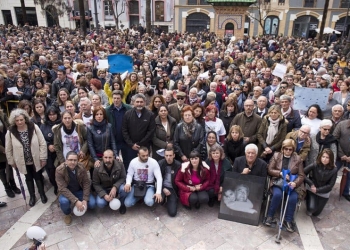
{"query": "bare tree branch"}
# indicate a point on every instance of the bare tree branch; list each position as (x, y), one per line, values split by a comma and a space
(263, 9)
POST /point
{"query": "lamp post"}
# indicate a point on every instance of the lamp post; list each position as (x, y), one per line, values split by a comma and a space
(97, 25)
(346, 20)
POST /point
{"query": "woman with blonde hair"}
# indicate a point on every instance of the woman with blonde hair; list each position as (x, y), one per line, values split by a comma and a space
(272, 132)
(287, 159)
(234, 145)
(130, 89)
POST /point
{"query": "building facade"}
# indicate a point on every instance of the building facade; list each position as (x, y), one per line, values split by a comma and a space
(127, 13)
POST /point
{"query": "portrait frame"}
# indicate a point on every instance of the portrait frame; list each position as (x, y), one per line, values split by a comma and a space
(242, 197)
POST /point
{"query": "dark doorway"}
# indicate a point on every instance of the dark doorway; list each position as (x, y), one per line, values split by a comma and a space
(305, 26)
(197, 22)
(7, 17)
(51, 16)
(229, 30)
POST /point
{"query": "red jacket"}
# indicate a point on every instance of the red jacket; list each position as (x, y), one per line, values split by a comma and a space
(183, 180)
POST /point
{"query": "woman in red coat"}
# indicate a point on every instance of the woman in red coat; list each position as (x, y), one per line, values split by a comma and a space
(192, 181)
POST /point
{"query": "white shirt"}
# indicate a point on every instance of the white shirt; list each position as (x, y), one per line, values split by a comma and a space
(217, 126)
(70, 142)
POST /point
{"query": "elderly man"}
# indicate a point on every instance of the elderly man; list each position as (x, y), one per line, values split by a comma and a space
(143, 173)
(85, 113)
(74, 186)
(175, 109)
(261, 106)
(250, 163)
(293, 116)
(257, 92)
(342, 133)
(193, 97)
(107, 180)
(302, 141)
(176, 75)
(337, 115)
(248, 121)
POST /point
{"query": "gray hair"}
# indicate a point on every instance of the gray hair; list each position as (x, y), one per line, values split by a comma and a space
(139, 95)
(251, 146)
(43, 58)
(326, 122)
(16, 113)
(83, 99)
(285, 97)
(338, 106)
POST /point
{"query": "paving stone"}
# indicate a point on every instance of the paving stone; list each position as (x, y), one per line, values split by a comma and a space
(69, 244)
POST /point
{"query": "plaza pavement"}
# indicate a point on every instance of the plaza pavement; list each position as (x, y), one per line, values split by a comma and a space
(151, 228)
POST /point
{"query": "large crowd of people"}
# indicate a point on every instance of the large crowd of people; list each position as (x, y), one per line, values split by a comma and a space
(195, 107)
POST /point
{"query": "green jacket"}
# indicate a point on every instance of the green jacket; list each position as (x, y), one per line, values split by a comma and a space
(58, 144)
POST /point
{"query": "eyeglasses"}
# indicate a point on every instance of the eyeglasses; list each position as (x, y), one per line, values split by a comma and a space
(221, 80)
(160, 82)
(282, 87)
(236, 89)
(306, 133)
(288, 149)
(180, 98)
(148, 81)
(164, 76)
(194, 71)
(326, 129)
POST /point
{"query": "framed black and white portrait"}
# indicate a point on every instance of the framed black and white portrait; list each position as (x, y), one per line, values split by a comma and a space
(242, 197)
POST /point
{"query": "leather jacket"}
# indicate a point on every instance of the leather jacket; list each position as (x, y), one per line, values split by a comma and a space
(321, 177)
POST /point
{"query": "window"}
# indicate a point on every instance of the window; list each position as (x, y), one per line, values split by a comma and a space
(281, 1)
(271, 25)
(266, 1)
(108, 8)
(197, 2)
(344, 3)
(134, 7)
(310, 3)
(159, 11)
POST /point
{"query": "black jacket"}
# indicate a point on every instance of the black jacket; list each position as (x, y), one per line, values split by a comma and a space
(57, 85)
(184, 144)
(138, 130)
(294, 121)
(99, 142)
(259, 168)
(323, 179)
(234, 149)
(226, 119)
(175, 167)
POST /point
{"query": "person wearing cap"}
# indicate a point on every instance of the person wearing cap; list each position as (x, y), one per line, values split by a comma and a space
(175, 109)
(325, 81)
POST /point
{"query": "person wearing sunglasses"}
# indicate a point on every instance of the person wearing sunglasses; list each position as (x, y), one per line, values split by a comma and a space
(287, 159)
(323, 139)
(176, 108)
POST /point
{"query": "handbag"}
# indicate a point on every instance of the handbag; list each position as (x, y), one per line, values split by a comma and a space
(278, 182)
(87, 160)
(140, 189)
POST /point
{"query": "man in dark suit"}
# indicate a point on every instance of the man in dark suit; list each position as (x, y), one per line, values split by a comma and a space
(261, 106)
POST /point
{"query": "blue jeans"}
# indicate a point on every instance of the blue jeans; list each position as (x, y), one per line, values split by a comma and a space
(101, 202)
(131, 200)
(276, 200)
(65, 204)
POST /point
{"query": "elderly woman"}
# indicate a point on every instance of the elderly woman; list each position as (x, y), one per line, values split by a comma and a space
(213, 123)
(164, 134)
(189, 135)
(218, 166)
(323, 139)
(96, 88)
(313, 118)
(320, 179)
(193, 181)
(272, 132)
(100, 136)
(287, 159)
(26, 150)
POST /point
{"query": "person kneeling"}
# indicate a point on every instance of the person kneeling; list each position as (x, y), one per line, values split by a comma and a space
(193, 181)
(140, 180)
(108, 179)
(74, 186)
(169, 168)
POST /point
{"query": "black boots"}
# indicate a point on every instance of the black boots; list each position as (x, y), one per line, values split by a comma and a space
(14, 188)
(8, 186)
(31, 190)
(40, 186)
